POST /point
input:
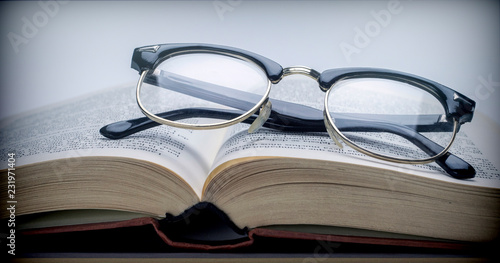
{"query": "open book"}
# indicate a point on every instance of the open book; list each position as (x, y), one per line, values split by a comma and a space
(273, 179)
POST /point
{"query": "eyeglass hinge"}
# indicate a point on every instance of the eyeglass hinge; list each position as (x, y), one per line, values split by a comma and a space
(265, 112)
(152, 49)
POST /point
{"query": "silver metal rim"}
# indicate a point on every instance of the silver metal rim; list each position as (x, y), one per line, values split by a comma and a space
(217, 125)
(335, 132)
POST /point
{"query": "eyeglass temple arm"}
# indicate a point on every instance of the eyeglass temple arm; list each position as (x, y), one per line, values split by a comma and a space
(243, 100)
(452, 164)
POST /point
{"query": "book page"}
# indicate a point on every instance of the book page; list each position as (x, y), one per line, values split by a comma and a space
(266, 142)
(71, 129)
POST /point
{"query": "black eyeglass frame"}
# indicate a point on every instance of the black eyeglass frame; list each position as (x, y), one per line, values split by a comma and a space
(458, 108)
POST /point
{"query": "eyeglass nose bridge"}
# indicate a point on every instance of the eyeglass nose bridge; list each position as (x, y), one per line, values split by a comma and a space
(301, 70)
(309, 72)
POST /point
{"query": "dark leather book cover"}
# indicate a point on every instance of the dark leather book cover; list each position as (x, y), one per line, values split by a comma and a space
(204, 227)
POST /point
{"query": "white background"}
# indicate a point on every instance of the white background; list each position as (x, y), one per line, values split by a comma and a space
(81, 47)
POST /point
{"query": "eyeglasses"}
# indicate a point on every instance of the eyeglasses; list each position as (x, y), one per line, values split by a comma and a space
(385, 114)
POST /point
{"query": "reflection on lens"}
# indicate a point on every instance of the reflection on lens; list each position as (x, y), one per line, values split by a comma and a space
(390, 118)
(192, 85)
